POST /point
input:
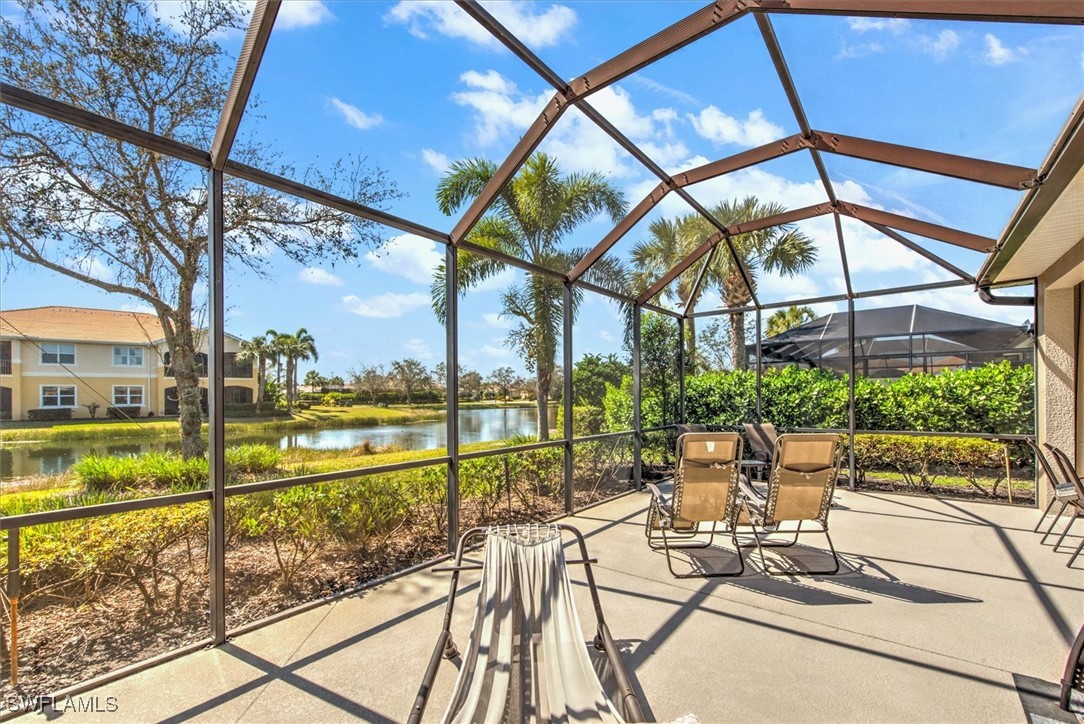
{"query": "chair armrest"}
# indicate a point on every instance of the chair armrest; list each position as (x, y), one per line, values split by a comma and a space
(656, 493)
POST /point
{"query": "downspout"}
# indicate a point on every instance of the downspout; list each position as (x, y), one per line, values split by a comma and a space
(987, 297)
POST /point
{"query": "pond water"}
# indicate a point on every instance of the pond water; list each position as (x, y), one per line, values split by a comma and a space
(20, 460)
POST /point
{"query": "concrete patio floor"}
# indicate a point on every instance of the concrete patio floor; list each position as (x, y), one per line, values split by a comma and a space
(941, 609)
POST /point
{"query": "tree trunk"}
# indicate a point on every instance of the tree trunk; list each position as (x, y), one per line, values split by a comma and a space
(182, 346)
(737, 340)
(690, 346)
(261, 372)
(289, 376)
(542, 399)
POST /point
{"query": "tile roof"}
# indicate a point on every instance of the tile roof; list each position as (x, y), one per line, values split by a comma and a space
(80, 324)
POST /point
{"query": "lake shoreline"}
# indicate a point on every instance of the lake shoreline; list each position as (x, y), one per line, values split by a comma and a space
(325, 430)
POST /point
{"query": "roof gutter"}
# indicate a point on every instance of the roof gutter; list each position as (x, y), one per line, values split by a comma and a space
(986, 296)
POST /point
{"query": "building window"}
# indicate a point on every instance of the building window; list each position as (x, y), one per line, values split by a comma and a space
(127, 357)
(127, 395)
(58, 395)
(57, 353)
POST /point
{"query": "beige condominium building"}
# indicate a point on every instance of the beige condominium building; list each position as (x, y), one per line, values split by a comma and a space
(90, 360)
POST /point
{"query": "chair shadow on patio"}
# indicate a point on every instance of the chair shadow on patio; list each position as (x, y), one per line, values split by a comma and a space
(853, 574)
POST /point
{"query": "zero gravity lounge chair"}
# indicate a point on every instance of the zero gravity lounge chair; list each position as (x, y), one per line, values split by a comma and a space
(526, 659)
(803, 477)
(705, 492)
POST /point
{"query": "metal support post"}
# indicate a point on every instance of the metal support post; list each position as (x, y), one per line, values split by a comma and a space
(14, 584)
(638, 436)
(566, 400)
(681, 369)
(760, 367)
(216, 428)
(451, 325)
(850, 390)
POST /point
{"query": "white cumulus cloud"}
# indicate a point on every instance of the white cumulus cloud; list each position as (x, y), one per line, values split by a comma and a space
(384, 306)
(407, 255)
(895, 26)
(316, 275)
(720, 127)
(537, 28)
(302, 14)
(436, 160)
(941, 47)
(998, 54)
(354, 115)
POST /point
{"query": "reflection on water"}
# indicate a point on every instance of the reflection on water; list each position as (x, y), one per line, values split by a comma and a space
(19, 461)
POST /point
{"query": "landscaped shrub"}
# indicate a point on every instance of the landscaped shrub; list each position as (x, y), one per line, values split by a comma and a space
(339, 399)
(127, 412)
(921, 459)
(49, 414)
(997, 398)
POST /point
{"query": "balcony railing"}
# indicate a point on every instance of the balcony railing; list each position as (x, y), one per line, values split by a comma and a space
(5, 367)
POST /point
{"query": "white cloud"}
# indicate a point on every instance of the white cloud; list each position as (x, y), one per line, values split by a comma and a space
(498, 112)
(641, 80)
(998, 54)
(537, 29)
(316, 275)
(418, 349)
(497, 320)
(896, 26)
(355, 116)
(410, 256)
(92, 267)
(436, 160)
(302, 14)
(717, 126)
(292, 14)
(491, 80)
(859, 50)
(941, 47)
(385, 306)
(606, 336)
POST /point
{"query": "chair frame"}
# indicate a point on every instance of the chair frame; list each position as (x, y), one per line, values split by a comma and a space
(1066, 491)
(766, 520)
(762, 438)
(665, 515)
(1072, 478)
(603, 641)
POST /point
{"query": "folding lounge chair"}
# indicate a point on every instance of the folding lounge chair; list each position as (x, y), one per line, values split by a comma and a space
(705, 491)
(1073, 478)
(1072, 679)
(1065, 492)
(803, 477)
(762, 438)
(526, 658)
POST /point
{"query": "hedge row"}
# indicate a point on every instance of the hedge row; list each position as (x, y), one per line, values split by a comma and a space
(997, 398)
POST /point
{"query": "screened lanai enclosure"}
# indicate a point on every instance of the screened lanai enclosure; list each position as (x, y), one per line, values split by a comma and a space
(609, 201)
(894, 341)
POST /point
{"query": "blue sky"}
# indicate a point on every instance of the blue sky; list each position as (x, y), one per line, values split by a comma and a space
(413, 86)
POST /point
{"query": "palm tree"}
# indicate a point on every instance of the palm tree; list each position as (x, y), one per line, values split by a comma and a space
(670, 241)
(297, 347)
(528, 220)
(780, 249)
(258, 350)
(789, 318)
